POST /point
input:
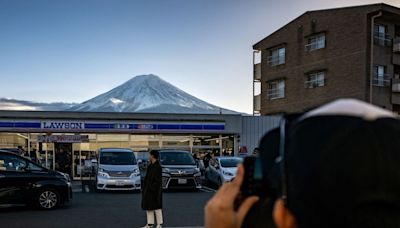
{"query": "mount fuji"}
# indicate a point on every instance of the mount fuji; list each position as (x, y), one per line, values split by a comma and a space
(148, 94)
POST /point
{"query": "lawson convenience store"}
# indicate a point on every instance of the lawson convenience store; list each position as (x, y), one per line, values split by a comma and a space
(65, 140)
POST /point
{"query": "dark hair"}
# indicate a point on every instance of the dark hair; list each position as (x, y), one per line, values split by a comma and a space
(155, 153)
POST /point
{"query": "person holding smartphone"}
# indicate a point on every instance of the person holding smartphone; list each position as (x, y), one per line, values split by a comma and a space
(337, 166)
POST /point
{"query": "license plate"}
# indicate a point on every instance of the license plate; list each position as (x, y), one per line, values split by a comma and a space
(119, 183)
(182, 181)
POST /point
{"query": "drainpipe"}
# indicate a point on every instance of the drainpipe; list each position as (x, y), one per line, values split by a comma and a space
(371, 69)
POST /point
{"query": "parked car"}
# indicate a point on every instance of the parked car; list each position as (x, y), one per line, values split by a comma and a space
(222, 169)
(142, 159)
(179, 170)
(117, 170)
(25, 182)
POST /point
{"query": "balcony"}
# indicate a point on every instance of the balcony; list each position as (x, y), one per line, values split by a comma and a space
(257, 103)
(257, 72)
(381, 80)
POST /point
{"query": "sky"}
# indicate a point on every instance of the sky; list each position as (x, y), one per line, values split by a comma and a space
(71, 51)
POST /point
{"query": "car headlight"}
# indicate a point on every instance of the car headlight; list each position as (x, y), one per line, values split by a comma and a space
(103, 174)
(227, 173)
(135, 173)
(165, 170)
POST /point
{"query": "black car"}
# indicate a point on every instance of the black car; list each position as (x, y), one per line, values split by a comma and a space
(25, 182)
(179, 170)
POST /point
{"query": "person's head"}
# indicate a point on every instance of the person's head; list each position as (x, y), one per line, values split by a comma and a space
(338, 171)
(154, 154)
(256, 151)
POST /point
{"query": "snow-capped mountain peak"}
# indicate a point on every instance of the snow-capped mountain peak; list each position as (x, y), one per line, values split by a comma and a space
(148, 93)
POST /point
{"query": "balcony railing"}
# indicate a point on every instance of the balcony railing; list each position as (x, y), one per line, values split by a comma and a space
(257, 102)
(276, 93)
(276, 60)
(382, 39)
(381, 80)
(314, 83)
(257, 72)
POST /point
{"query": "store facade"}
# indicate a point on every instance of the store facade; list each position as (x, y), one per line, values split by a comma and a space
(65, 141)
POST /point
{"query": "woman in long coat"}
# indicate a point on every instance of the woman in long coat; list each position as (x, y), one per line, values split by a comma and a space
(152, 191)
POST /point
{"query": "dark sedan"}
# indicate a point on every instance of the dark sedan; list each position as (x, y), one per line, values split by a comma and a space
(25, 182)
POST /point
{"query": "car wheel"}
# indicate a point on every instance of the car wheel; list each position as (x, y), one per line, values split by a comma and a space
(48, 199)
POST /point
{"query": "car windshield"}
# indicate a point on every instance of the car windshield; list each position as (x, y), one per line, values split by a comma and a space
(117, 158)
(230, 162)
(176, 158)
(144, 156)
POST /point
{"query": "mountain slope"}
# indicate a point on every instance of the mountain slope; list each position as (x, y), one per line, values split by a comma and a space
(148, 93)
(20, 105)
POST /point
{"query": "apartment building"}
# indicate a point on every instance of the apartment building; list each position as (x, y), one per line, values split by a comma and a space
(351, 52)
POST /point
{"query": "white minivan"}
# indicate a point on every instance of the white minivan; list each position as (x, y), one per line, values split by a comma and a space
(117, 170)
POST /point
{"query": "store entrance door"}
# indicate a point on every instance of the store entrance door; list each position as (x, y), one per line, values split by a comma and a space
(63, 157)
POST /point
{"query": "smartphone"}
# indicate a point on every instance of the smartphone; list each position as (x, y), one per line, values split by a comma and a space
(254, 182)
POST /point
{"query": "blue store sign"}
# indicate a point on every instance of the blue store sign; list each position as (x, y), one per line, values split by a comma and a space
(82, 126)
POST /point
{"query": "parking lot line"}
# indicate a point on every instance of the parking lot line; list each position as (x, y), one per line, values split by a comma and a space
(207, 189)
(186, 227)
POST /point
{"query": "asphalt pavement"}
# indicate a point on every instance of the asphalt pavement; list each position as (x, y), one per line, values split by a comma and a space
(111, 209)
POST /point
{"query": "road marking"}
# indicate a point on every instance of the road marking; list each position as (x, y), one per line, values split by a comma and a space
(207, 189)
(186, 227)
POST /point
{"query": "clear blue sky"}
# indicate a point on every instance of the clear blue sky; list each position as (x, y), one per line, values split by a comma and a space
(72, 51)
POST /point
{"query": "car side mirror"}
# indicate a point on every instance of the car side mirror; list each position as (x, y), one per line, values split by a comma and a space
(23, 167)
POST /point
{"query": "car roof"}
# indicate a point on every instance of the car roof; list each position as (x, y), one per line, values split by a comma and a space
(171, 150)
(7, 152)
(15, 150)
(228, 157)
(122, 150)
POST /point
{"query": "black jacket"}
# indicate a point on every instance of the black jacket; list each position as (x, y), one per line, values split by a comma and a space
(152, 188)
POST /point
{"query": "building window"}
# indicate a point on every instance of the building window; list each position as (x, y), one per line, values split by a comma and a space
(316, 42)
(316, 79)
(381, 78)
(381, 37)
(276, 56)
(276, 89)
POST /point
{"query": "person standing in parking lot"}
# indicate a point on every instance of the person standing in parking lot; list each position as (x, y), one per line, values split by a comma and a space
(152, 191)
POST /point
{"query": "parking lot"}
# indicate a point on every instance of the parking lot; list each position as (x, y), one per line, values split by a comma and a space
(111, 209)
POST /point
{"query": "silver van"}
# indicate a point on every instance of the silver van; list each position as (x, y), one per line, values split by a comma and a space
(117, 170)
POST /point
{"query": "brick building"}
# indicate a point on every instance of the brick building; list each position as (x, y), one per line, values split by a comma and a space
(326, 54)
